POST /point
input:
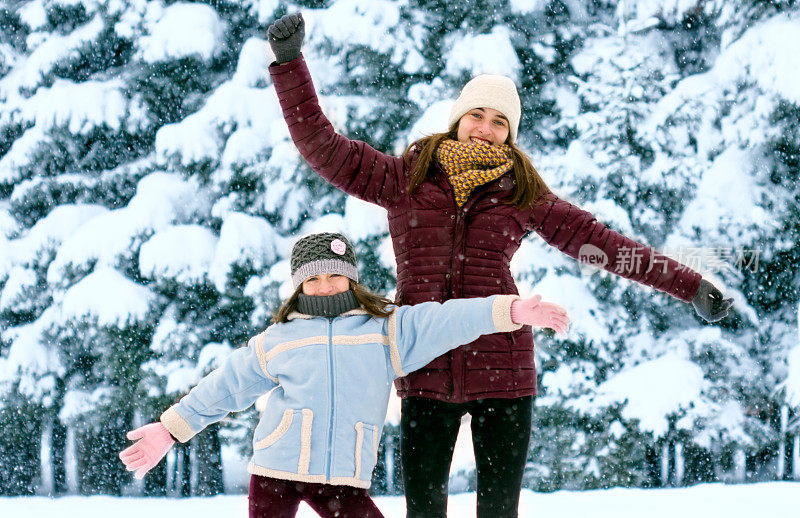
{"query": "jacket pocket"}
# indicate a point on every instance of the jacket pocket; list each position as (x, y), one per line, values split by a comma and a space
(278, 432)
(289, 443)
(366, 454)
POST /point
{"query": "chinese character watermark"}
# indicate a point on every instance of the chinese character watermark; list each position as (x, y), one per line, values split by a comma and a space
(629, 261)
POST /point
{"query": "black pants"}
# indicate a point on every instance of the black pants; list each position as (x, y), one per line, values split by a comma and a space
(501, 430)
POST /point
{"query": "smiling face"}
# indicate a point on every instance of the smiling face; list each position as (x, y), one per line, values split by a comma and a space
(326, 284)
(483, 125)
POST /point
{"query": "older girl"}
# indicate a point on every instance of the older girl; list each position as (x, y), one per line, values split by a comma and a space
(327, 365)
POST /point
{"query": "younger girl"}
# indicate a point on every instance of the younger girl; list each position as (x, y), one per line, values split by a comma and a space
(328, 364)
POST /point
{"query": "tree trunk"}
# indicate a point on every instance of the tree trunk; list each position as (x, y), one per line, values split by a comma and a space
(679, 464)
(46, 459)
(54, 441)
(665, 463)
(389, 463)
(796, 457)
(781, 465)
(739, 465)
(207, 465)
(182, 470)
(170, 463)
(71, 460)
(58, 455)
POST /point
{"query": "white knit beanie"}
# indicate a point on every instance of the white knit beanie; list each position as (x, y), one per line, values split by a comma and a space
(489, 91)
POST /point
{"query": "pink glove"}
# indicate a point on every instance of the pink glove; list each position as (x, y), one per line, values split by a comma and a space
(155, 441)
(533, 312)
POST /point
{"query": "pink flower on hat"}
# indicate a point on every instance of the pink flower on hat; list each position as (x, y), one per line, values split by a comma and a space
(338, 246)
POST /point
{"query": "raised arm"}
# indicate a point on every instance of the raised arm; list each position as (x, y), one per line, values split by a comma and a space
(576, 232)
(350, 165)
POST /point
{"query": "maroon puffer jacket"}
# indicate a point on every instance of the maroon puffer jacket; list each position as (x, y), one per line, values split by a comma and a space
(446, 252)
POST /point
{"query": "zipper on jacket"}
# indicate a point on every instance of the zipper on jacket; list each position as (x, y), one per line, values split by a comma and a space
(329, 449)
(459, 251)
(455, 283)
(455, 288)
(456, 216)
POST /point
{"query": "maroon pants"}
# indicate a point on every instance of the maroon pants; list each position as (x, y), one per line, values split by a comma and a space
(276, 498)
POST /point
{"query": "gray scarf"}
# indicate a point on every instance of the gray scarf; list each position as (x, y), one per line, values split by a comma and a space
(327, 306)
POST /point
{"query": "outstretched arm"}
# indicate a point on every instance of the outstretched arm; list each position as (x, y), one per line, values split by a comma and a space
(419, 333)
(350, 165)
(234, 386)
(578, 234)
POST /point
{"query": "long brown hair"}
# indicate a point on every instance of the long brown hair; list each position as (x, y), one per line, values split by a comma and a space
(372, 303)
(530, 187)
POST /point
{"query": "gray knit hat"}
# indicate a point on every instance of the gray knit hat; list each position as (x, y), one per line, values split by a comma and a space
(327, 252)
(489, 91)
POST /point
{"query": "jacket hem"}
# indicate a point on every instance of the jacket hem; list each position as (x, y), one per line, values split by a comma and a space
(255, 469)
(465, 398)
(350, 481)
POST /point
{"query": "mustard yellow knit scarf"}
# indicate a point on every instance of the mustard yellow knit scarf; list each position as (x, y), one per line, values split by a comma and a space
(470, 165)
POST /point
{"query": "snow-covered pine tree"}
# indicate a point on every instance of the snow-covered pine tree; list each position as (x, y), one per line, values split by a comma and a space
(57, 131)
(187, 56)
(753, 218)
(781, 344)
(696, 155)
(101, 344)
(767, 124)
(89, 86)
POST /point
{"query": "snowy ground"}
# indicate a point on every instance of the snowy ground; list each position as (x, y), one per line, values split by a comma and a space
(778, 499)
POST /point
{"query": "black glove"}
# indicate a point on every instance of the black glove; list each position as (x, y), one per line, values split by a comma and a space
(709, 303)
(285, 36)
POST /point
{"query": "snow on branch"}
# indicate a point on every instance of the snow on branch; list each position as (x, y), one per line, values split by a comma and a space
(110, 297)
(181, 252)
(183, 30)
(47, 54)
(80, 107)
(490, 53)
(161, 199)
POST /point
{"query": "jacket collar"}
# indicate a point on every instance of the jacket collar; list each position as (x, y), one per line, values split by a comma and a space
(297, 315)
(500, 187)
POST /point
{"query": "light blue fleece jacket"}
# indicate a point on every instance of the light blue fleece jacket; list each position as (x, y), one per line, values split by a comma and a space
(329, 381)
